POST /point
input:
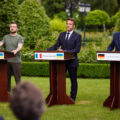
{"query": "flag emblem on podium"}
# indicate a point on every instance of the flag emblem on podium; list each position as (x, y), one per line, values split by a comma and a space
(59, 55)
(101, 56)
(49, 56)
(38, 56)
(1, 55)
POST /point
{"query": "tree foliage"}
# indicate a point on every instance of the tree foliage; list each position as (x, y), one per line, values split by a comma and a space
(53, 6)
(8, 14)
(110, 6)
(58, 25)
(117, 25)
(20, 1)
(97, 18)
(34, 23)
(116, 17)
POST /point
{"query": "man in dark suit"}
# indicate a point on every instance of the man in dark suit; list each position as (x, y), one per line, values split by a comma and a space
(115, 42)
(70, 41)
(1, 118)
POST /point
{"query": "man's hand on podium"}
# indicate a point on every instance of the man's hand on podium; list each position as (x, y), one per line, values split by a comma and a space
(1, 43)
(60, 49)
(15, 52)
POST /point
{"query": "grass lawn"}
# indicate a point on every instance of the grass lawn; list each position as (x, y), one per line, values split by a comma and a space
(89, 101)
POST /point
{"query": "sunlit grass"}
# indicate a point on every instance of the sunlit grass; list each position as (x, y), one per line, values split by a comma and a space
(89, 101)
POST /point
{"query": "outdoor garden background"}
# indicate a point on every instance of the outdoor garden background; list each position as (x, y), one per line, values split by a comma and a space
(40, 23)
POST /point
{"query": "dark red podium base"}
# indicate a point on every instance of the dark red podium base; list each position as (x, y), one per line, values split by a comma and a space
(113, 101)
(57, 94)
(4, 96)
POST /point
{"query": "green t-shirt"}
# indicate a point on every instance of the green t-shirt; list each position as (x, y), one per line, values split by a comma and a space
(11, 43)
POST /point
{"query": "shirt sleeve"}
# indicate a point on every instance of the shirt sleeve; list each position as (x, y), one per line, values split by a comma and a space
(3, 40)
(21, 40)
(112, 44)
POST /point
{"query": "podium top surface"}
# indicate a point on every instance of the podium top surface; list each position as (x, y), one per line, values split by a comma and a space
(108, 56)
(5, 55)
(52, 55)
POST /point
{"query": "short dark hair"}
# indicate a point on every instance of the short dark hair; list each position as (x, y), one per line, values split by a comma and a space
(71, 19)
(14, 23)
(26, 101)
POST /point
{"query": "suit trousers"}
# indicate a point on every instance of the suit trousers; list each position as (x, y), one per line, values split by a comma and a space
(73, 77)
(15, 70)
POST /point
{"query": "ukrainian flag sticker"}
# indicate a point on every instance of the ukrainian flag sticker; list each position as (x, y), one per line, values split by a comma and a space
(1, 55)
(60, 56)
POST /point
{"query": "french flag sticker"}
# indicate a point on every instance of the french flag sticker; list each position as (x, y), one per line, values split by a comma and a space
(40, 55)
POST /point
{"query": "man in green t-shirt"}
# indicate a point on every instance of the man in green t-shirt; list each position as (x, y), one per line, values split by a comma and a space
(13, 42)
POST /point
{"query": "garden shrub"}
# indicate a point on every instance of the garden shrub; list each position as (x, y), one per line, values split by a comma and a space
(35, 68)
(117, 26)
(53, 7)
(34, 23)
(45, 42)
(84, 70)
(97, 18)
(96, 39)
(116, 17)
(62, 15)
(94, 42)
(93, 70)
(58, 25)
(27, 54)
(87, 54)
(8, 14)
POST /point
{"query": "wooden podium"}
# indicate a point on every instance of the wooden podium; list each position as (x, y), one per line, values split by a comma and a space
(4, 56)
(113, 101)
(57, 59)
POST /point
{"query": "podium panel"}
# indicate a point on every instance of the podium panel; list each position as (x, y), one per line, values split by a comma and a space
(4, 56)
(57, 95)
(113, 101)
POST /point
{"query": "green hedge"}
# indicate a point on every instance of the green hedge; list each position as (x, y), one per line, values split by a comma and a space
(35, 68)
(93, 70)
(85, 70)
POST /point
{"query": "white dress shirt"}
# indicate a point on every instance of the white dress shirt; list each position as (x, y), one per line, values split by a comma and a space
(70, 33)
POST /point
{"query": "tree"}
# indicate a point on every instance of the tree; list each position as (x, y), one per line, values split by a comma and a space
(110, 6)
(8, 14)
(97, 18)
(118, 3)
(116, 17)
(117, 25)
(53, 6)
(58, 25)
(34, 23)
(20, 1)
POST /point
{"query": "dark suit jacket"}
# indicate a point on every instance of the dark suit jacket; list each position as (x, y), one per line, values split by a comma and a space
(115, 42)
(71, 45)
(1, 118)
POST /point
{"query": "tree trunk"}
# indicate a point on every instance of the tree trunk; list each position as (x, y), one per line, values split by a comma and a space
(97, 28)
(104, 28)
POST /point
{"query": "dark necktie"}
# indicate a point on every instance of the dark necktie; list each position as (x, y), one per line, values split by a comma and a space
(67, 36)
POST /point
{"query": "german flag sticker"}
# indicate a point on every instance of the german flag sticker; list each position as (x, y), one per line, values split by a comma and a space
(101, 56)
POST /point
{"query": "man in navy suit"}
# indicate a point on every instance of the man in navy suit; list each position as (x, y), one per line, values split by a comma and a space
(1, 118)
(115, 42)
(70, 41)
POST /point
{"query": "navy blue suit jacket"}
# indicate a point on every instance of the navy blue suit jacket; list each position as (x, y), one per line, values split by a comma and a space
(1, 118)
(115, 42)
(72, 45)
